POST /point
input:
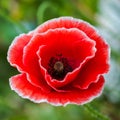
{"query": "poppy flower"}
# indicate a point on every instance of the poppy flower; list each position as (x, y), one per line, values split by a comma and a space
(61, 62)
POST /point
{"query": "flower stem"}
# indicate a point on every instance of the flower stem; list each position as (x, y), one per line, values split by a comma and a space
(95, 113)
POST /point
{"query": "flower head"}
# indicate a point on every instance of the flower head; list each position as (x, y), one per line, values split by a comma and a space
(62, 61)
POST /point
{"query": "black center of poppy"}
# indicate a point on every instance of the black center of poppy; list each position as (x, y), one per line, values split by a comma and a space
(58, 67)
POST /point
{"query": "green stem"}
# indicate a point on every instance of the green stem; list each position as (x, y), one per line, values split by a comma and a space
(41, 10)
(95, 113)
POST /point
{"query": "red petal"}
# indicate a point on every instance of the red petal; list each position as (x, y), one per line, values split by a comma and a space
(77, 96)
(20, 84)
(79, 44)
(15, 57)
(66, 22)
(31, 63)
(38, 81)
(96, 66)
(15, 52)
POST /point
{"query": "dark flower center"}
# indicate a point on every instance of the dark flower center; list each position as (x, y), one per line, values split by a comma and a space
(58, 67)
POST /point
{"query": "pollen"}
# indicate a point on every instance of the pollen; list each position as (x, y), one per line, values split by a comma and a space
(58, 66)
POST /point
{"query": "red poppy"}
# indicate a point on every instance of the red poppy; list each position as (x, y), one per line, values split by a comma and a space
(61, 62)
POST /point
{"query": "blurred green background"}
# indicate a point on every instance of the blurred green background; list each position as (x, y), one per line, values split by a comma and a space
(18, 16)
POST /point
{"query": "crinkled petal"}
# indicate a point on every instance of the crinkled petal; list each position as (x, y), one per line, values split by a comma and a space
(77, 96)
(30, 61)
(20, 84)
(15, 52)
(38, 81)
(25, 89)
(65, 22)
(95, 67)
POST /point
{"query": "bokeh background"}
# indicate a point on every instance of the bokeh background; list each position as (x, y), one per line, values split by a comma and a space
(21, 16)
